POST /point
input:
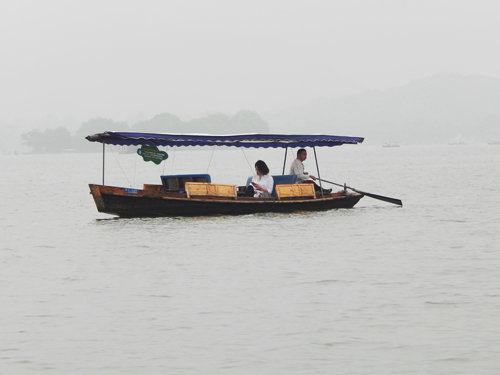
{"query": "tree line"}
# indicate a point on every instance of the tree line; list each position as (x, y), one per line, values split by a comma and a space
(60, 139)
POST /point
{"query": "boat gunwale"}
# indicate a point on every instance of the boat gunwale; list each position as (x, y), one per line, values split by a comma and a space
(239, 200)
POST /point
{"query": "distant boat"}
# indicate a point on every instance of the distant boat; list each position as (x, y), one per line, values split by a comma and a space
(457, 140)
(390, 144)
(497, 142)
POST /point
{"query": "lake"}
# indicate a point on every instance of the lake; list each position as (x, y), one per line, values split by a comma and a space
(377, 289)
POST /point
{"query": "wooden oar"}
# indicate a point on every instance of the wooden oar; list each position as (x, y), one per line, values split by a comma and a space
(374, 196)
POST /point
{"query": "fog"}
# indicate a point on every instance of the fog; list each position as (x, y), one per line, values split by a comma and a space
(127, 60)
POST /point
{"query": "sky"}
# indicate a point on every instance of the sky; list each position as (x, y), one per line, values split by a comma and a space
(129, 60)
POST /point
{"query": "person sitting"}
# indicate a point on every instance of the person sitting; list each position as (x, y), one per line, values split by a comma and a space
(297, 168)
(262, 183)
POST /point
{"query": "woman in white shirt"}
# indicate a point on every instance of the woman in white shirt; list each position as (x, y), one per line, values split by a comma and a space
(262, 183)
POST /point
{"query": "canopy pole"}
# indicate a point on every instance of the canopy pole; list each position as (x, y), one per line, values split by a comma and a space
(284, 161)
(317, 168)
(103, 160)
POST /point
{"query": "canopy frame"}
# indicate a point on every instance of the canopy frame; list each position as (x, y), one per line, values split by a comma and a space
(284, 161)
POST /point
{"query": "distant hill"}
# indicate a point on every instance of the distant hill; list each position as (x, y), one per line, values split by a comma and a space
(241, 122)
(431, 110)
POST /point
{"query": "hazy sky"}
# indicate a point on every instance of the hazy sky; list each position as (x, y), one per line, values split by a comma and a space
(124, 58)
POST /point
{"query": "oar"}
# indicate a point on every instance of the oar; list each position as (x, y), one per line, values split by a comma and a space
(374, 196)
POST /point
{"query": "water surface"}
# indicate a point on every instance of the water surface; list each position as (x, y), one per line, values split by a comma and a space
(375, 289)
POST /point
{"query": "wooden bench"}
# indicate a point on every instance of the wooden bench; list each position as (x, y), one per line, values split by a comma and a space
(295, 191)
(208, 189)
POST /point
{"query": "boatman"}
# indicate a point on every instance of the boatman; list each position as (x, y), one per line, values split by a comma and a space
(297, 168)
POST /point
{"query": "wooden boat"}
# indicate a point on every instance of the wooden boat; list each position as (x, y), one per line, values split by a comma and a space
(151, 201)
(195, 195)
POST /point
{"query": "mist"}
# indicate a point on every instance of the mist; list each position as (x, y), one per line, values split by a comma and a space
(64, 62)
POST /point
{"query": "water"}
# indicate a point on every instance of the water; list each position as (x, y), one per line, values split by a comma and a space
(376, 289)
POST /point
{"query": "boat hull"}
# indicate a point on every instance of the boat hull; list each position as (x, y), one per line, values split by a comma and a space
(143, 203)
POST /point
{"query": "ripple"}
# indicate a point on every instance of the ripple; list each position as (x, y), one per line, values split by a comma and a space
(443, 303)
(45, 246)
(452, 359)
(334, 343)
(333, 281)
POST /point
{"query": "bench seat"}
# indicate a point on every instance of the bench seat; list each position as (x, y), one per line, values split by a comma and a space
(209, 189)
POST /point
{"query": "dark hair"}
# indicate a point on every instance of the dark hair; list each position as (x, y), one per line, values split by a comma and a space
(300, 151)
(261, 167)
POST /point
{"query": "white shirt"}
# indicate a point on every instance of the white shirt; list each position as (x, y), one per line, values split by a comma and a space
(265, 181)
(297, 168)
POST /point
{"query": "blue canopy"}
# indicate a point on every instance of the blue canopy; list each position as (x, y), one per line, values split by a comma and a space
(237, 140)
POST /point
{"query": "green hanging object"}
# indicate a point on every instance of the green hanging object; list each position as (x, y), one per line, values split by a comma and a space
(151, 153)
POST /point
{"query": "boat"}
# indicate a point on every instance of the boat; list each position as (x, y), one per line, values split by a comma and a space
(458, 140)
(391, 144)
(197, 195)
